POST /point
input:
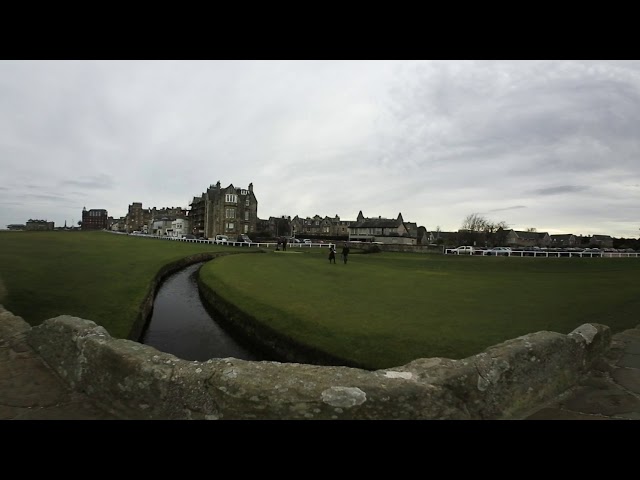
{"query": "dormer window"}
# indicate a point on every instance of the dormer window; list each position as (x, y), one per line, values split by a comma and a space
(231, 198)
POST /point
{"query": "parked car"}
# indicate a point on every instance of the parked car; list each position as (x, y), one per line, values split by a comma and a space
(222, 239)
(244, 238)
(499, 251)
(463, 250)
(306, 240)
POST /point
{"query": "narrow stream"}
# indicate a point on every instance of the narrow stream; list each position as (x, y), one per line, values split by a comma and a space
(180, 324)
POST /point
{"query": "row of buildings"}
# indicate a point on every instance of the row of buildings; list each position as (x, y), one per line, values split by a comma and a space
(33, 225)
(232, 211)
(516, 238)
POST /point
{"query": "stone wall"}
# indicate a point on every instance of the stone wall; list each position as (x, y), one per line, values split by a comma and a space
(136, 381)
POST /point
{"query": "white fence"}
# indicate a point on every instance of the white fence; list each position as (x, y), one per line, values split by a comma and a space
(542, 253)
(229, 243)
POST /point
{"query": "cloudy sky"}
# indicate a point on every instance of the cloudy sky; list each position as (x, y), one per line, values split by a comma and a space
(553, 145)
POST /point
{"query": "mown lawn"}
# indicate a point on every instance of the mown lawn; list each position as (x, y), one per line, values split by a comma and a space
(384, 310)
(94, 275)
(380, 310)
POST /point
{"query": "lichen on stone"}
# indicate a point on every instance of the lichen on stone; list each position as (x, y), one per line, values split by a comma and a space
(343, 397)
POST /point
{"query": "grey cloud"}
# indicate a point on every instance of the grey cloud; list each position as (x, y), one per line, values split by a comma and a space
(559, 190)
(515, 207)
(434, 140)
(96, 181)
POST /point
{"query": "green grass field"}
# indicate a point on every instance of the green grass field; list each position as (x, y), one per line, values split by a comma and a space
(380, 310)
(94, 275)
(383, 310)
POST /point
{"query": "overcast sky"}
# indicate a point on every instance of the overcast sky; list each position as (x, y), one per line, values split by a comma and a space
(553, 145)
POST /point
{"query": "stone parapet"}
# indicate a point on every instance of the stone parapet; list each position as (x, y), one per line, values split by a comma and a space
(136, 381)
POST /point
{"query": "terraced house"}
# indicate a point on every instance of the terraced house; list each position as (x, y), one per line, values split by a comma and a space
(527, 239)
(565, 240)
(319, 226)
(384, 230)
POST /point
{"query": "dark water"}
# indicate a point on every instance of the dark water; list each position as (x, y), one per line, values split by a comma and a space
(180, 325)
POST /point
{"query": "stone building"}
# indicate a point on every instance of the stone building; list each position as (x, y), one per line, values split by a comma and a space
(227, 211)
(601, 241)
(320, 226)
(40, 225)
(94, 219)
(385, 230)
(563, 240)
(137, 217)
(196, 215)
(527, 239)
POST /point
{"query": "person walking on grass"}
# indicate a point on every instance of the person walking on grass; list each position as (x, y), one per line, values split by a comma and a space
(332, 254)
(345, 252)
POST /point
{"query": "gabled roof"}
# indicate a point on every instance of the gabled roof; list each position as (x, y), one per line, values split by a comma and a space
(529, 235)
(601, 237)
(377, 223)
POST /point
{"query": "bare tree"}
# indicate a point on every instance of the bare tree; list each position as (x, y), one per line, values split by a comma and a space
(479, 229)
(474, 223)
(531, 229)
(493, 227)
(437, 238)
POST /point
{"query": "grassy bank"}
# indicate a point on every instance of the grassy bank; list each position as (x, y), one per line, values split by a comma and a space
(387, 309)
(94, 275)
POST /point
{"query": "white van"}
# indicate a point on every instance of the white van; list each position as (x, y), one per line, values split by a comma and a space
(463, 250)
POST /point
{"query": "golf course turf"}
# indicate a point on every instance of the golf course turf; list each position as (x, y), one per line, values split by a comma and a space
(379, 310)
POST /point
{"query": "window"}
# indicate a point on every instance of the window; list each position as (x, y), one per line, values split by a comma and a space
(230, 198)
(230, 226)
(246, 216)
(246, 202)
(246, 228)
(230, 213)
(317, 222)
(243, 192)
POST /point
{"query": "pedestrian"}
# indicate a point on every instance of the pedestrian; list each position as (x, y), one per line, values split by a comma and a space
(345, 252)
(278, 244)
(284, 244)
(332, 253)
